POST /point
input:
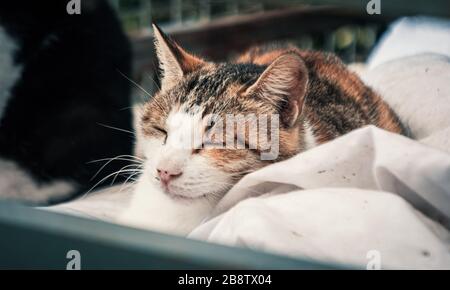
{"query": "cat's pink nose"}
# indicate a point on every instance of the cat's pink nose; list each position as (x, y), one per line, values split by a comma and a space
(165, 175)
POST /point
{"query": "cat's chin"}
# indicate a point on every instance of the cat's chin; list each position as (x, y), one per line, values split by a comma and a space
(181, 197)
(153, 209)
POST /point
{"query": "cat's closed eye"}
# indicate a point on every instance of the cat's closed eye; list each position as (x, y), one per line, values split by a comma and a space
(162, 131)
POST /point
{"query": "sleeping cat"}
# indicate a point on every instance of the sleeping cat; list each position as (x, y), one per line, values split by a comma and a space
(314, 95)
(61, 84)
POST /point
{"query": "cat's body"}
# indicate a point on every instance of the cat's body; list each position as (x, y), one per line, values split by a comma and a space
(337, 101)
(313, 96)
(60, 85)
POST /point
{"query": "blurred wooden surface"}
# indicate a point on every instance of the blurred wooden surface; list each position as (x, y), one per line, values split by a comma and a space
(220, 38)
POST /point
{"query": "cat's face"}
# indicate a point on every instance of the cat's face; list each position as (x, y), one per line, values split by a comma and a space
(210, 124)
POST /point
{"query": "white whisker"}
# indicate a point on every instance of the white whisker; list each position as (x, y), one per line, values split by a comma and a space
(116, 128)
(136, 167)
(105, 178)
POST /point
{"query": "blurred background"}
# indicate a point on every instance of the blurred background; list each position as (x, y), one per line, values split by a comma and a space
(352, 41)
(220, 29)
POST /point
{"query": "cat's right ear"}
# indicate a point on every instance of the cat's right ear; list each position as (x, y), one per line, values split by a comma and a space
(174, 61)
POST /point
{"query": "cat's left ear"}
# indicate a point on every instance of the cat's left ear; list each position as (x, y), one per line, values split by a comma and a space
(174, 61)
(283, 84)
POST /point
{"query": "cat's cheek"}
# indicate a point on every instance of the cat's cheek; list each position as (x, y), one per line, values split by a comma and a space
(232, 161)
(224, 159)
(150, 144)
(152, 148)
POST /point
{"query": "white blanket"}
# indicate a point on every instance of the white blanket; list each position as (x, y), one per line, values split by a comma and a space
(410, 36)
(351, 205)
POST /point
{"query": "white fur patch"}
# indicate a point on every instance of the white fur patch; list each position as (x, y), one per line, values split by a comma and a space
(184, 129)
(9, 72)
(309, 138)
(16, 184)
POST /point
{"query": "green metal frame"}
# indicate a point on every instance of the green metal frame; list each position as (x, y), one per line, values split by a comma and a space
(36, 239)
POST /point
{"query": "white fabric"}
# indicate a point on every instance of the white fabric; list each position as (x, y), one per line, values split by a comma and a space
(346, 210)
(106, 204)
(418, 89)
(410, 36)
(340, 225)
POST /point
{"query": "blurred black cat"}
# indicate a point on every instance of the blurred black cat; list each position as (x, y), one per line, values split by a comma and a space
(61, 86)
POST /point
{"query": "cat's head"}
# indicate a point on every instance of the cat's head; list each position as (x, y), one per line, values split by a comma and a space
(193, 146)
